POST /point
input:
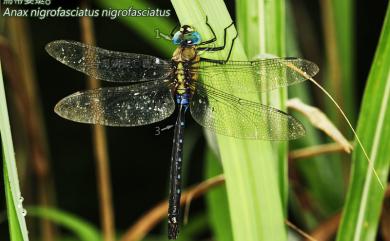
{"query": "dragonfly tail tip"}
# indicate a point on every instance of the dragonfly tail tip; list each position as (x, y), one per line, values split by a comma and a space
(173, 230)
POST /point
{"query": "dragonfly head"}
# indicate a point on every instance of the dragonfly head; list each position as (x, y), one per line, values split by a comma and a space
(186, 36)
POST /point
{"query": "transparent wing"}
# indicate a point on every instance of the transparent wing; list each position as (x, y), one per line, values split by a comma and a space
(256, 76)
(133, 105)
(228, 115)
(108, 65)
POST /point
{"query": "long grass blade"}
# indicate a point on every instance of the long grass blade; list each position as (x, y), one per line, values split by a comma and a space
(25, 89)
(82, 229)
(364, 199)
(251, 179)
(261, 24)
(217, 204)
(17, 223)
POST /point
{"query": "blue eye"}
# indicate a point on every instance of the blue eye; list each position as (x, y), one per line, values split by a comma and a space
(176, 40)
(192, 38)
(195, 38)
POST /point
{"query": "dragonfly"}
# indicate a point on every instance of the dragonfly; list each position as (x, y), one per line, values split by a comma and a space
(187, 82)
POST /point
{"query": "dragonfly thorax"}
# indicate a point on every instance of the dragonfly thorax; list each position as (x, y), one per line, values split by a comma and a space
(185, 54)
(185, 60)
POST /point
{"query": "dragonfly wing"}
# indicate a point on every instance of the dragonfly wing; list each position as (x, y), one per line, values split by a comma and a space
(257, 76)
(133, 105)
(229, 115)
(108, 65)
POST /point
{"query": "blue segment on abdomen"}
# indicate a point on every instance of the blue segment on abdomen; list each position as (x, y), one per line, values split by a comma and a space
(183, 99)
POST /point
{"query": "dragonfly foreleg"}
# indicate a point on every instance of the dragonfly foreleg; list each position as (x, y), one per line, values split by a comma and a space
(213, 49)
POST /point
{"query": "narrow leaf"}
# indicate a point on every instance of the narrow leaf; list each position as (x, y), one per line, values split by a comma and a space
(364, 200)
(17, 223)
(261, 26)
(251, 179)
(83, 230)
(218, 207)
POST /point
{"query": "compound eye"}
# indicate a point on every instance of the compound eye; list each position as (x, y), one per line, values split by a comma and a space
(195, 38)
(177, 38)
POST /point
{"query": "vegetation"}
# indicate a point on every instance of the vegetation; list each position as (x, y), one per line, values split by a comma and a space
(268, 191)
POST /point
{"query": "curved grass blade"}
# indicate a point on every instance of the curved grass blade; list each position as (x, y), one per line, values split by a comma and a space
(17, 223)
(83, 230)
(364, 200)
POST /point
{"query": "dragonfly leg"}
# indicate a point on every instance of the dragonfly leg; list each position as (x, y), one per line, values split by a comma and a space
(221, 61)
(212, 31)
(213, 49)
(219, 49)
(175, 174)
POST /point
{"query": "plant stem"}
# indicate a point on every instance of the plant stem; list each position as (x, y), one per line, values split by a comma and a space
(100, 151)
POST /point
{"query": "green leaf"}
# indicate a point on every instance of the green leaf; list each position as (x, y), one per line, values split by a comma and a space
(345, 36)
(13, 223)
(83, 230)
(251, 179)
(364, 200)
(262, 30)
(218, 207)
(16, 221)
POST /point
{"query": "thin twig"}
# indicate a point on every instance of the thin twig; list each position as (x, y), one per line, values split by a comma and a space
(142, 227)
(300, 231)
(327, 228)
(369, 161)
(156, 214)
(159, 212)
(315, 151)
(100, 149)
